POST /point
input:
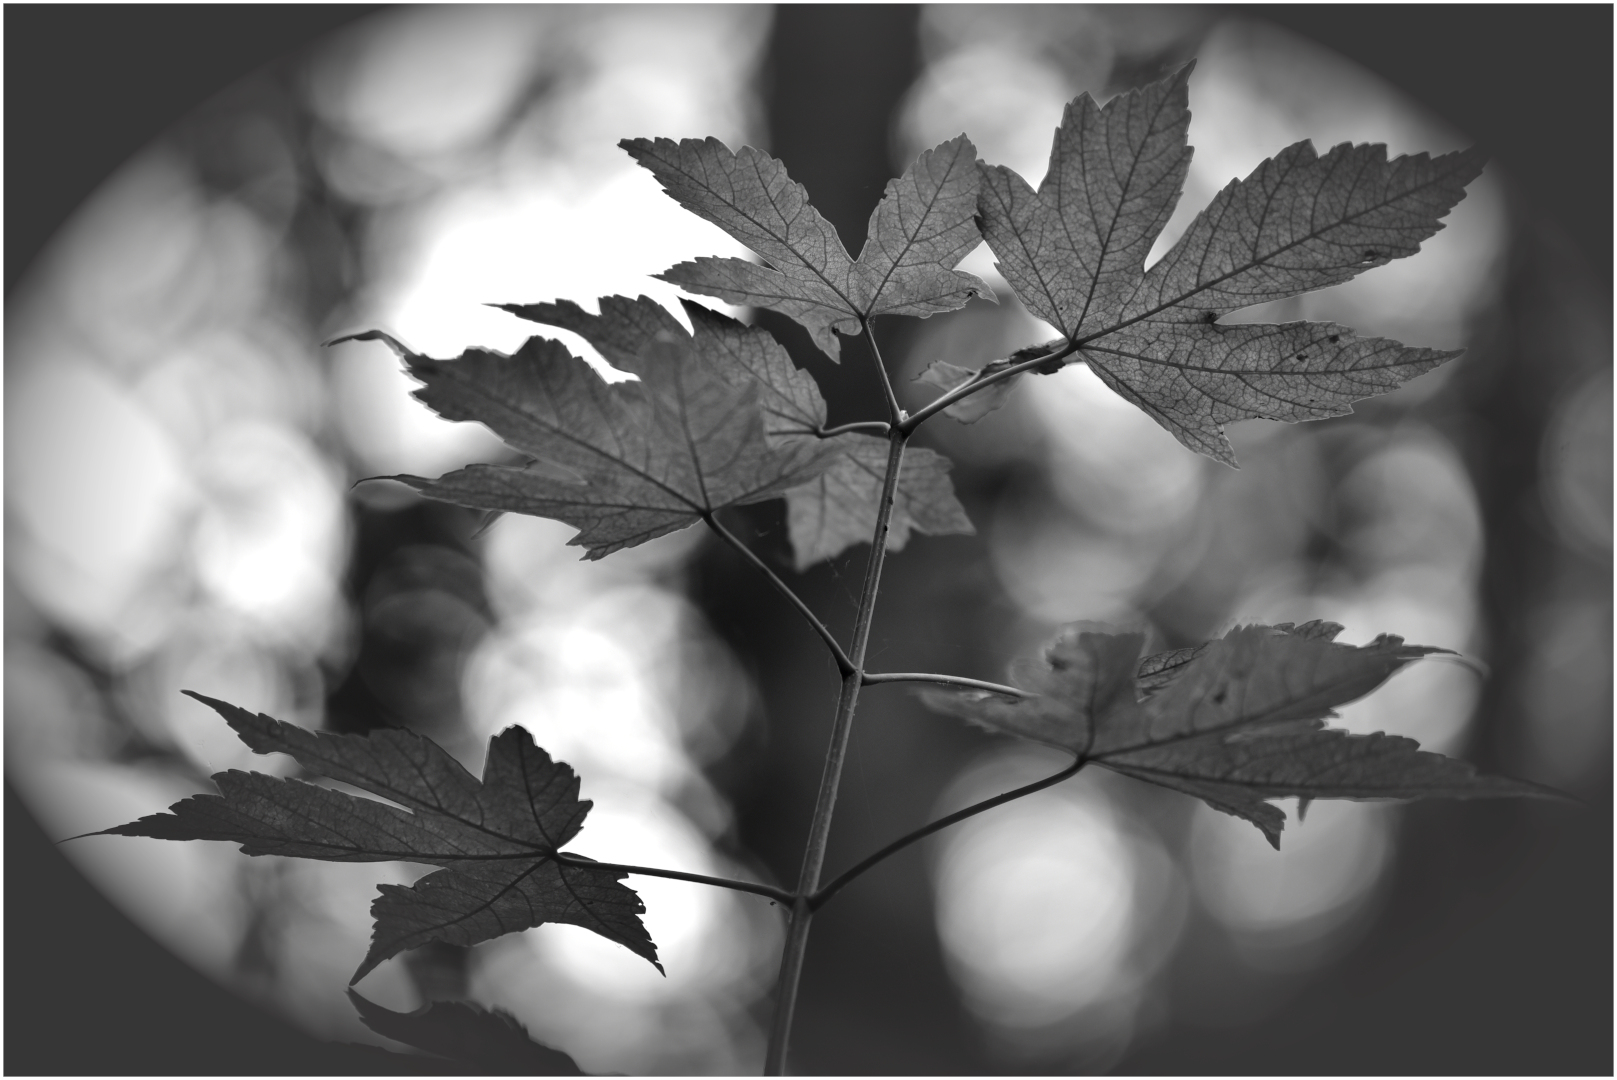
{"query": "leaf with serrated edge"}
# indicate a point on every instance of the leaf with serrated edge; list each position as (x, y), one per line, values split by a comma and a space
(1235, 722)
(837, 508)
(1300, 222)
(741, 355)
(1194, 379)
(491, 1041)
(1074, 252)
(496, 838)
(917, 234)
(645, 457)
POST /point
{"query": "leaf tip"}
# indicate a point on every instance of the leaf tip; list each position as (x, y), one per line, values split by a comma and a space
(371, 335)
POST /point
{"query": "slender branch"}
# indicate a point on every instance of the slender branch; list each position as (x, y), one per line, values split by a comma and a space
(923, 415)
(818, 899)
(886, 384)
(791, 962)
(949, 680)
(875, 427)
(780, 896)
(844, 665)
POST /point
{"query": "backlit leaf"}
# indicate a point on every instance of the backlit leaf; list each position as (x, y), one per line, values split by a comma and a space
(623, 462)
(1195, 378)
(1235, 722)
(1074, 252)
(837, 508)
(496, 838)
(917, 234)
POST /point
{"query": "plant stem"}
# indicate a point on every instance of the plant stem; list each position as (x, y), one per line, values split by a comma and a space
(948, 680)
(791, 964)
(780, 896)
(881, 369)
(909, 424)
(816, 900)
(874, 427)
(844, 665)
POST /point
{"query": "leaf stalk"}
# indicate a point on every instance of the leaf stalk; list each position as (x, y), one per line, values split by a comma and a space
(921, 416)
(845, 666)
(874, 427)
(818, 899)
(873, 679)
(780, 896)
(893, 407)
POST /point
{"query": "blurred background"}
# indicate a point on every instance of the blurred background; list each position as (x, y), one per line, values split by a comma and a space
(181, 512)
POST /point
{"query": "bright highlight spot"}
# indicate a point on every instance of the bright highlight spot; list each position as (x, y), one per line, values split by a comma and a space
(1282, 907)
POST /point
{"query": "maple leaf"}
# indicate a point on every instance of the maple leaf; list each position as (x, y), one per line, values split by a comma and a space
(921, 229)
(622, 462)
(1074, 252)
(491, 1042)
(837, 508)
(497, 839)
(1235, 722)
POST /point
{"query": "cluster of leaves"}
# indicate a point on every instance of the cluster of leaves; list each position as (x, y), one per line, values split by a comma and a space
(720, 416)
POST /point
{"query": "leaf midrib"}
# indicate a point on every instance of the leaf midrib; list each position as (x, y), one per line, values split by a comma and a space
(1242, 371)
(578, 440)
(1257, 262)
(765, 229)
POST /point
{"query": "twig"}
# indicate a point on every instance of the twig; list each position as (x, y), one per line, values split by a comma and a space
(921, 416)
(948, 680)
(780, 896)
(875, 427)
(817, 899)
(844, 665)
(886, 384)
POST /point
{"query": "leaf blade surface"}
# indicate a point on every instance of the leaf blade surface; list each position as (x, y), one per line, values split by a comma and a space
(497, 838)
(622, 462)
(836, 508)
(1074, 252)
(1235, 722)
(1073, 249)
(920, 230)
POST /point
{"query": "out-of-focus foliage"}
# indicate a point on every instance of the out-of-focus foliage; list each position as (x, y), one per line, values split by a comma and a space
(180, 455)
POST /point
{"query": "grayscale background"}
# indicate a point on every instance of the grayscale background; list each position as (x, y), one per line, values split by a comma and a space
(196, 197)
